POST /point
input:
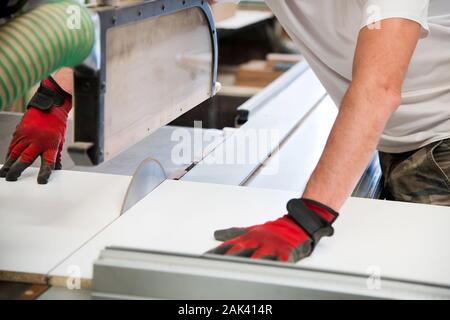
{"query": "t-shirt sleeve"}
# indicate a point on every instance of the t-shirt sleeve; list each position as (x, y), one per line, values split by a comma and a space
(377, 10)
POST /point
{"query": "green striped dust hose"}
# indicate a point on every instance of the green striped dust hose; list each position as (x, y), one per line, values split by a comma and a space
(35, 44)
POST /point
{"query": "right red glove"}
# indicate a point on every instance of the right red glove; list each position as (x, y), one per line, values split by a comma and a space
(290, 238)
(40, 133)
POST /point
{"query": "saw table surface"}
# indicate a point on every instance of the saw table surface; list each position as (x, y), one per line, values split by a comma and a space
(51, 229)
(397, 240)
(40, 225)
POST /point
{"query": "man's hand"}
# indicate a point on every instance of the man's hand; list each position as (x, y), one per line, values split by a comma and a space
(40, 133)
(290, 238)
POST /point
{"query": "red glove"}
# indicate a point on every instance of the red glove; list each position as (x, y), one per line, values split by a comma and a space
(40, 133)
(289, 238)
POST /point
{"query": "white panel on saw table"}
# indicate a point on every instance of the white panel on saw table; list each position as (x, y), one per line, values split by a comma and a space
(402, 241)
(232, 164)
(291, 166)
(41, 225)
(180, 217)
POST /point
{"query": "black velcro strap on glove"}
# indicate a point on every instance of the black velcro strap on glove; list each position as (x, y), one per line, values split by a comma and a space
(45, 98)
(314, 225)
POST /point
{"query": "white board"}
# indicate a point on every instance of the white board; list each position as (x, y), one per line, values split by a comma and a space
(41, 225)
(404, 241)
(279, 117)
(290, 167)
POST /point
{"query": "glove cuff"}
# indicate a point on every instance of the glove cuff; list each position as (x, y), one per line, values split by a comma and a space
(324, 211)
(48, 95)
(313, 217)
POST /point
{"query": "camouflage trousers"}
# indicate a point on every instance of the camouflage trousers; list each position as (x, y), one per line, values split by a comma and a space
(421, 176)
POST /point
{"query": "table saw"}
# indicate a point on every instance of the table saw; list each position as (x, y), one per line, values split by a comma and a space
(155, 249)
(74, 236)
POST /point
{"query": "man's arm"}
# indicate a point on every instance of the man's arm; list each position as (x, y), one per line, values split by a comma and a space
(381, 61)
(64, 78)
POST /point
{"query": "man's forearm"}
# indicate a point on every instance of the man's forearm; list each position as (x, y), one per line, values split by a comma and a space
(381, 60)
(362, 117)
(64, 78)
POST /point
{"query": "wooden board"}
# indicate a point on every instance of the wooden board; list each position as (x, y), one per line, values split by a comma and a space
(403, 241)
(21, 291)
(256, 73)
(41, 225)
(222, 11)
(274, 59)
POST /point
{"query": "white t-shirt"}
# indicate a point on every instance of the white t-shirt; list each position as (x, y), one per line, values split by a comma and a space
(326, 32)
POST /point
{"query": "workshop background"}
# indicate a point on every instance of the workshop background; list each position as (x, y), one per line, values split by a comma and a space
(263, 84)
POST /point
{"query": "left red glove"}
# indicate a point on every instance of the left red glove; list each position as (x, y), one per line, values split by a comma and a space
(290, 238)
(40, 133)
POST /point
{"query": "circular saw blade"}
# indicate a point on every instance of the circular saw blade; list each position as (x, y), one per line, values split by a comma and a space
(149, 175)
